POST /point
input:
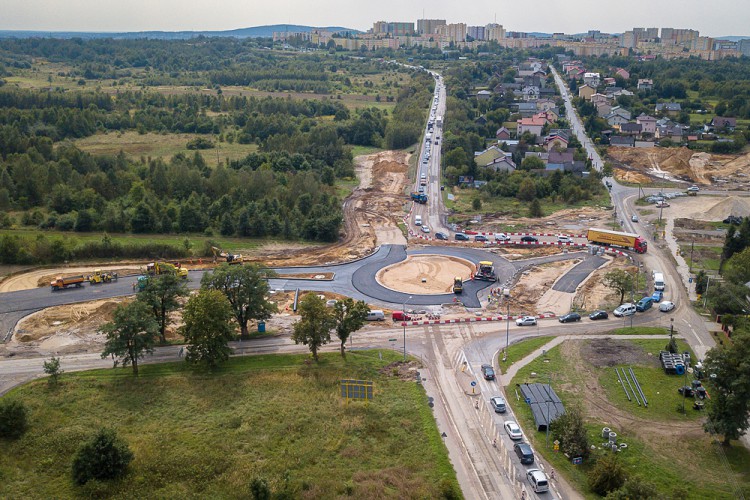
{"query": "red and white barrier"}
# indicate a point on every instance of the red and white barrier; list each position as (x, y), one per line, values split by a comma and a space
(468, 320)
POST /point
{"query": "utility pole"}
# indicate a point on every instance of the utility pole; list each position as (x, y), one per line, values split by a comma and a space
(692, 244)
(403, 310)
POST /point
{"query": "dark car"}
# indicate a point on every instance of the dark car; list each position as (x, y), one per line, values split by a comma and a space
(529, 239)
(733, 219)
(461, 237)
(480, 237)
(524, 452)
(569, 318)
(441, 236)
(600, 314)
(644, 304)
(488, 372)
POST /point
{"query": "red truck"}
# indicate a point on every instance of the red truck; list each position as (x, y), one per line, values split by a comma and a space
(617, 238)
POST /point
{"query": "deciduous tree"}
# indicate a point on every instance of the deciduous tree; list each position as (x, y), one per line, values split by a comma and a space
(607, 475)
(315, 324)
(207, 328)
(52, 368)
(131, 333)
(349, 316)
(620, 281)
(162, 294)
(570, 429)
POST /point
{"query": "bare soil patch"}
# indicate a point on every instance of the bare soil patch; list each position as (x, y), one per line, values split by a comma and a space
(610, 352)
(594, 293)
(437, 271)
(535, 282)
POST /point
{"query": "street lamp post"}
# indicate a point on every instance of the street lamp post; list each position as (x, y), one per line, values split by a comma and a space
(403, 310)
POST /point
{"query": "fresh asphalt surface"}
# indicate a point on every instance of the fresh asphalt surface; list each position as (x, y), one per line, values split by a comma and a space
(570, 281)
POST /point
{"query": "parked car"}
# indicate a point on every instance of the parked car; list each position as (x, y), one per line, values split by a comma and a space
(425, 229)
(529, 239)
(375, 315)
(538, 480)
(488, 372)
(441, 236)
(498, 404)
(600, 314)
(657, 296)
(733, 219)
(480, 237)
(626, 309)
(501, 237)
(562, 238)
(693, 189)
(524, 453)
(514, 432)
(644, 304)
(526, 321)
(662, 204)
(461, 237)
(666, 306)
(570, 317)
(634, 218)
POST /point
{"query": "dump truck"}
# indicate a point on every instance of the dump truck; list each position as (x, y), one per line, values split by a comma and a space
(617, 238)
(458, 285)
(100, 276)
(61, 283)
(155, 268)
(228, 257)
(419, 197)
(485, 271)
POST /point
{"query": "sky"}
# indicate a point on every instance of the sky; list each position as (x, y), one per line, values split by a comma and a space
(710, 17)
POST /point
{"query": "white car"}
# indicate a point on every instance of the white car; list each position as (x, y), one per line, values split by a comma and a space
(514, 432)
(666, 306)
(425, 229)
(562, 238)
(693, 189)
(501, 237)
(526, 321)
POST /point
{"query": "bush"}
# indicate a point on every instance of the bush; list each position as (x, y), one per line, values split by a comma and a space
(200, 143)
(104, 456)
(607, 475)
(259, 489)
(13, 416)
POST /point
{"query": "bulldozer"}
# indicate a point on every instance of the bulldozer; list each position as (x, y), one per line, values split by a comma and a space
(486, 271)
(100, 276)
(228, 257)
(458, 285)
(155, 268)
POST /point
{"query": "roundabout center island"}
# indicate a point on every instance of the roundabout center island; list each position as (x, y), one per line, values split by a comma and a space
(425, 274)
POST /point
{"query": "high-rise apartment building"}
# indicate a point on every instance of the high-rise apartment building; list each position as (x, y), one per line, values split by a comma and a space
(455, 32)
(476, 32)
(393, 29)
(494, 31)
(429, 26)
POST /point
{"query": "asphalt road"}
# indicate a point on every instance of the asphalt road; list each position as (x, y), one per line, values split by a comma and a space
(570, 281)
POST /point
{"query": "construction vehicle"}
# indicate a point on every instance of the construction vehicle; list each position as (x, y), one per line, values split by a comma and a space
(230, 258)
(419, 197)
(486, 271)
(100, 276)
(61, 283)
(155, 268)
(458, 285)
(617, 238)
(140, 283)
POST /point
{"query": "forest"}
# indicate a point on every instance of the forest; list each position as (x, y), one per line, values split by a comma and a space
(286, 189)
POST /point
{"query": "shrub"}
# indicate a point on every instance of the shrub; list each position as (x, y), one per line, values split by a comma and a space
(607, 475)
(259, 489)
(12, 419)
(104, 456)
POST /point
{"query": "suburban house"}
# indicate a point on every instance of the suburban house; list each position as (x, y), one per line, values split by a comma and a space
(609, 81)
(625, 142)
(617, 92)
(592, 79)
(645, 84)
(669, 108)
(525, 109)
(530, 93)
(600, 98)
(630, 128)
(545, 104)
(502, 164)
(502, 134)
(480, 120)
(585, 92)
(555, 142)
(623, 73)
(484, 95)
(546, 92)
(603, 108)
(619, 110)
(533, 125)
(721, 123)
(615, 120)
(542, 155)
(647, 123)
(562, 157)
(484, 158)
(550, 115)
(667, 128)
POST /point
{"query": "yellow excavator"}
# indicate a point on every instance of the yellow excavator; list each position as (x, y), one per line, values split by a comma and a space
(228, 257)
(155, 268)
(100, 276)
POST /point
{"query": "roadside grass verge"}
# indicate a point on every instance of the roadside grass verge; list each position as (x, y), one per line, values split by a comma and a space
(703, 257)
(640, 330)
(519, 350)
(463, 198)
(682, 463)
(206, 435)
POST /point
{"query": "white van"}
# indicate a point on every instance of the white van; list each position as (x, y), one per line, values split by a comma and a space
(417, 220)
(376, 315)
(538, 480)
(658, 282)
(626, 309)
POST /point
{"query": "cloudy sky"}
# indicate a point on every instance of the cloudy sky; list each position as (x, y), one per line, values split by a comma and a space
(712, 18)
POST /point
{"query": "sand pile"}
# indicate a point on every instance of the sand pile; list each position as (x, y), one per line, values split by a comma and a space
(732, 205)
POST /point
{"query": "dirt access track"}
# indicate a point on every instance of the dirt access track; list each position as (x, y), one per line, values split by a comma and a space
(371, 214)
(649, 164)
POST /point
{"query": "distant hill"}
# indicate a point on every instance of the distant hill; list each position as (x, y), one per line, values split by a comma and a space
(253, 32)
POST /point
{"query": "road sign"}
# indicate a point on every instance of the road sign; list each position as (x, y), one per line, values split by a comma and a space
(473, 383)
(577, 460)
(690, 279)
(556, 447)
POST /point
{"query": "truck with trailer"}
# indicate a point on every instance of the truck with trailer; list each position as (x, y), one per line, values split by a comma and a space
(419, 197)
(63, 282)
(617, 238)
(485, 271)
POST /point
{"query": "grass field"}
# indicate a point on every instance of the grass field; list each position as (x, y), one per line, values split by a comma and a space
(164, 146)
(641, 330)
(703, 257)
(200, 435)
(463, 198)
(683, 465)
(519, 350)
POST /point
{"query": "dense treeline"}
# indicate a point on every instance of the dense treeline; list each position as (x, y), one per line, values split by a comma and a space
(410, 113)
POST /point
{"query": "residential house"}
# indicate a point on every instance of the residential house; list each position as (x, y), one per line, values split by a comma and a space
(721, 123)
(611, 91)
(603, 108)
(484, 95)
(600, 98)
(647, 123)
(630, 128)
(619, 110)
(547, 92)
(615, 120)
(669, 108)
(525, 109)
(586, 91)
(530, 93)
(667, 128)
(542, 155)
(502, 164)
(555, 142)
(545, 104)
(645, 84)
(503, 88)
(550, 115)
(562, 157)
(621, 141)
(533, 125)
(484, 158)
(609, 81)
(592, 79)
(502, 134)
(481, 120)
(623, 73)
(619, 92)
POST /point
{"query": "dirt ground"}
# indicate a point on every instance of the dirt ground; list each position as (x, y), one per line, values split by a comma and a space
(532, 285)
(570, 220)
(42, 277)
(594, 294)
(646, 165)
(424, 274)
